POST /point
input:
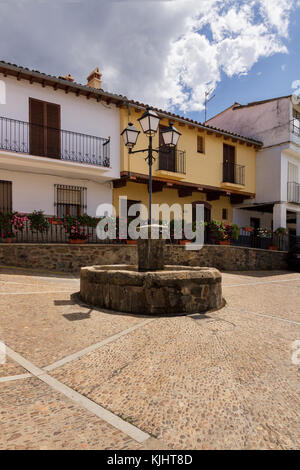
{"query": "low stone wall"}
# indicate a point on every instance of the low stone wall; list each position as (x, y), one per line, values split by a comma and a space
(70, 258)
(176, 290)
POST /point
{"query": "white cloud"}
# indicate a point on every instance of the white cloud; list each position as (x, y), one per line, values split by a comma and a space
(162, 53)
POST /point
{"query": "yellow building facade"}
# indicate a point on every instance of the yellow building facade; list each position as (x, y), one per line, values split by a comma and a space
(208, 166)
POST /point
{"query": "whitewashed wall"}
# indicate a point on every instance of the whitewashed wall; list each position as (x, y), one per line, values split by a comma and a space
(78, 114)
(242, 218)
(32, 191)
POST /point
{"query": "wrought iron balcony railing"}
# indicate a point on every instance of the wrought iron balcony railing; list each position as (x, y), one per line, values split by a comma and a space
(172, 160)
(34, 139)
(295, 126)
(233, 173)
(293, 192)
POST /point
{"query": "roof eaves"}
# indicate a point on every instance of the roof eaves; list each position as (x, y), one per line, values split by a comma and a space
(197, 124)
(64, 82)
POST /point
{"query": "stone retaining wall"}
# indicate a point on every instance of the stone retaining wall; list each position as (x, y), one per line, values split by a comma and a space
(70, 258)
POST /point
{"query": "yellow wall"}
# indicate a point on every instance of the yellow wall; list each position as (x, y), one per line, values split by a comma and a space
(203, 169)
(139, 192)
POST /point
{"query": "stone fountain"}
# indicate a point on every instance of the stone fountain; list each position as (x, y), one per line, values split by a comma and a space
(151, 288)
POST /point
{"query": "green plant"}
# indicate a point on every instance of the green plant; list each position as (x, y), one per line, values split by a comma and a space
(87, 220)
(235, 231)
(10, 223)
(72, 227)
(218, 230)
(281, 231)
(264, 233)
(38, 222)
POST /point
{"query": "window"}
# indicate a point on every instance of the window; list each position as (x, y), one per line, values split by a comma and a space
(292, 173)
(200, 144)
(224, 214)
(5, 196)
(296, 114)
(70, 200)
(44, 128)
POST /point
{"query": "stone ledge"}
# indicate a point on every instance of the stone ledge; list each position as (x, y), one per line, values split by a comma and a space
(70, 258)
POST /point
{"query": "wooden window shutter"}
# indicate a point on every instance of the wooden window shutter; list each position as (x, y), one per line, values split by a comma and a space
(44, 128)
(228, 153)
(200, 144)
(53, 130)
(37, 123)
(5, 196)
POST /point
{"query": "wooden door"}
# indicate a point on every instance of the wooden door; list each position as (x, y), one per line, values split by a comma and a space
(167, 155)
(44, 128)
(228, 163)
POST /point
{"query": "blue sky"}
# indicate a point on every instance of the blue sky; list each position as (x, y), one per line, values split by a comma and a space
(269, 77)
(163, 53)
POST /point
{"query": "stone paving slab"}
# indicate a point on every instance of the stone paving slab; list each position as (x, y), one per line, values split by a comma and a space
(47, 327)
(188, 382)
(221, 380)
(278, 299)
(10, 368)
(35, 417)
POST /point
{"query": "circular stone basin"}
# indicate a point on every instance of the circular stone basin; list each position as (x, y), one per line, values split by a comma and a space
(174, 290)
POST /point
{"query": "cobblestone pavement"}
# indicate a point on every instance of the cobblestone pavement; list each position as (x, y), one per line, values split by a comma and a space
(216, 381)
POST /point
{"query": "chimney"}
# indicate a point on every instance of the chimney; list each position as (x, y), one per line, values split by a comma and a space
(94, 79)
(68, 77)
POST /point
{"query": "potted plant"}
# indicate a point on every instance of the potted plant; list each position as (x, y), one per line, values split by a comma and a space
(8, 236)
(248, 229)
(218, 232)
(265, 237)
(279, 233)
(10, 223)
(235, 232)
(38, 221)
(77, 238)
(75, 232)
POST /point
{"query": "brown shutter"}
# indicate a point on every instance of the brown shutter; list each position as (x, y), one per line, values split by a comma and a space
(37, 122)
(200, 144)
(44, 128)
(5, 196)
(228, 153)
(53, 130)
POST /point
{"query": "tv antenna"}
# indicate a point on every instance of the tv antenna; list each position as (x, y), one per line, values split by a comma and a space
(207, 100)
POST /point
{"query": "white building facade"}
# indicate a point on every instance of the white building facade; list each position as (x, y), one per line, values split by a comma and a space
(59, 143)
(275, 122)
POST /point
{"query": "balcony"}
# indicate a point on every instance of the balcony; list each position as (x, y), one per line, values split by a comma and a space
(234, 174)
(295, 127)
(293, 192)
(172, 160)
(33, 139)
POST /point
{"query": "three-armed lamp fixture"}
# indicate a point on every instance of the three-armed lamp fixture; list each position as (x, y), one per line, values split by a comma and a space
(149, 123)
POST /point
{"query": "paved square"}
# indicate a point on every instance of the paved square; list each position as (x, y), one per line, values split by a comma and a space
(82, 378)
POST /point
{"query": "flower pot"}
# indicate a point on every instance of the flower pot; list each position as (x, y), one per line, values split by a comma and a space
(130, 242)
(224, 242)
(8, 240)
(273, 247)
(184, 242)
(77, 241)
